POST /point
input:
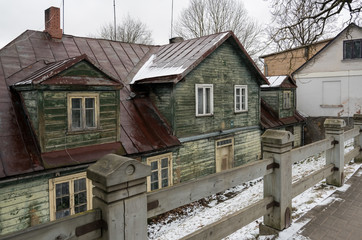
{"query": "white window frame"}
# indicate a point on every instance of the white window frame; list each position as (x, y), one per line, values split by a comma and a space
(158, 158)
(287, 101)
(83, 96)
(70, 179)
(211, 100)
(241, 87)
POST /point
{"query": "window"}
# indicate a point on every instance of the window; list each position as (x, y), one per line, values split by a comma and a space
(241, 98)
(69, 195)
(161, 172)
(82, 111)
(204, 99)
(331, 94)
(287, 99)
(352, 49)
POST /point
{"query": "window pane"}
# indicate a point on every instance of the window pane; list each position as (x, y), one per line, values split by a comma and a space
(90, 118)
(154, 185)
(80, 198)
(79, 185)
(65, 188)
(76, 103)
(208, 100)
(348, 49)
(154, 165)
(200, 98)
(164, 162)
(76, 118)
(62, 203)
(63, 213)
(357, 49)
(165, 183)
(89, 103)
(154, 176)
(164, 173)
(81, 208)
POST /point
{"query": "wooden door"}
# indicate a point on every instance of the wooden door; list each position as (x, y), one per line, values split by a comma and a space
(224, 155)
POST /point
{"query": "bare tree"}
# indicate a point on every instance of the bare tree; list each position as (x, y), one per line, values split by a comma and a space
(301, 23)
(203, 17)
(129, 30)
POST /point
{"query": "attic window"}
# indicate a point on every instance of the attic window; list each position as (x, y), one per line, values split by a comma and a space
(204, 99)
(352, 49)
(287, 99)
(82, 111)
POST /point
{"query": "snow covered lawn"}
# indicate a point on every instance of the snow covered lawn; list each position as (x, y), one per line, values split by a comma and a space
(186, 220)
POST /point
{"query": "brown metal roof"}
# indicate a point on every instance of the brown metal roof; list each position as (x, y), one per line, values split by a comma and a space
(269, 118)
(172, 62)
(34, 52)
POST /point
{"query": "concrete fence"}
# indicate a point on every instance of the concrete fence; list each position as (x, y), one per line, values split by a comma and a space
(122, 205)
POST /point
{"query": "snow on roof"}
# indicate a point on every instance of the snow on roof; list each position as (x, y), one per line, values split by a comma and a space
(275, 81)
(150, 70)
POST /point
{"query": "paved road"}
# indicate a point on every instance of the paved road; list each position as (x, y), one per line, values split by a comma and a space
(340, 219)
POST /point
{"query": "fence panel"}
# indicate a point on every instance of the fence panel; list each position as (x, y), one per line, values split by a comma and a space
(184, 193)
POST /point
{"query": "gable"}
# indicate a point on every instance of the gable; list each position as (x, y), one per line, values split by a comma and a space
(330, 58)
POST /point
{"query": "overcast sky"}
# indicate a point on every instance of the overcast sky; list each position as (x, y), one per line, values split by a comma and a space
(85, 17)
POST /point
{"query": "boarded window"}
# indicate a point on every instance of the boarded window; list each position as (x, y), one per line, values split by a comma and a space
(331, 93)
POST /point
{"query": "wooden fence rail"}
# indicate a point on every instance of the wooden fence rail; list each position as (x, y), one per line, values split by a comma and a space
(122, 204)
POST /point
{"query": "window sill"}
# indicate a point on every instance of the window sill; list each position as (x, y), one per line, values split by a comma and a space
(237, 112)
(205, 115)
(351, 60)
(74, 132)
(330, 106)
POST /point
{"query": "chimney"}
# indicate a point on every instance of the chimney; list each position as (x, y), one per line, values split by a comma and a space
(52, 22)
(176, 39)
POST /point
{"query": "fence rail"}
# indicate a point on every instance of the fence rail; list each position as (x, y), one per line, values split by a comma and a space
(122, 204)
(185, 193)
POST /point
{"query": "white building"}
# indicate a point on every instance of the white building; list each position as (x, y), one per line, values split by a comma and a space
(330, 83)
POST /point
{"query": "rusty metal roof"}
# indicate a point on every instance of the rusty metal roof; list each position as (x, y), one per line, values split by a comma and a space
(269, 118)
(172, 62)
(35, 52)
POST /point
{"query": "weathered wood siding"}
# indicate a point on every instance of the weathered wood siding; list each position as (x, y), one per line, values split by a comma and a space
(298, 135)
(31, 106)
(271, 98)
(196, 159)
(24, 204)
(52, 125)
(224, 68)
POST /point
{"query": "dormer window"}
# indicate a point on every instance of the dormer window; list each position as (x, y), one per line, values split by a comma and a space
(82, 111)
(287, 99)
(352, 49)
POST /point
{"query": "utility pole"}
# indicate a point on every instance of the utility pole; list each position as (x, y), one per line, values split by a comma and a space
(171, 19)
(63, 16)
(114, 14)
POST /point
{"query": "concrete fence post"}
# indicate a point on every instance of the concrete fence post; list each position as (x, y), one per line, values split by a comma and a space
(277, 145)
(334, 128)
(120, 192)
(357, 119)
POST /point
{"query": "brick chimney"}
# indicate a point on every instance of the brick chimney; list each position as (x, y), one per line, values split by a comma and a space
(52, 22)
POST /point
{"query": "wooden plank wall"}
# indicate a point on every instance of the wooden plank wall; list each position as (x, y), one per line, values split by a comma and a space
(24, 204)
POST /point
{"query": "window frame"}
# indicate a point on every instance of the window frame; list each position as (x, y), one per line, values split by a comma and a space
(352, 41)
(70, 179)
(211, 100)
(158, 158)
(287, 104)
(83, 96)
(241, 101)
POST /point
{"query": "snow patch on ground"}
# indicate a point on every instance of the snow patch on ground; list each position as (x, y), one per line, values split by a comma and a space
(218, 206)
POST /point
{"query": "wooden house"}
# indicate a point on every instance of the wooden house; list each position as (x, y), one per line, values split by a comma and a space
(278, 107)
(188, 109)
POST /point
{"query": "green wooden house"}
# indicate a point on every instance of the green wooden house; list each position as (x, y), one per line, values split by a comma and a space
(188, 109)
(278, 107)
